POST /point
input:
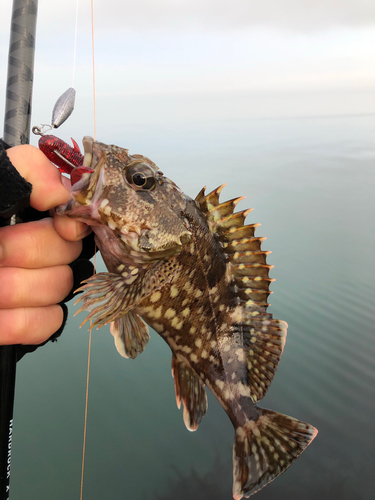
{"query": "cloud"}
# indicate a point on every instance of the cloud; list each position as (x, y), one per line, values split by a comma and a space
(202, 15)
(175, 47)
(297, 15)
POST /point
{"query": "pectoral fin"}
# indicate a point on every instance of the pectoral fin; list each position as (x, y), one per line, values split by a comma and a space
(109, 296)
(191, 391)
(131, 334)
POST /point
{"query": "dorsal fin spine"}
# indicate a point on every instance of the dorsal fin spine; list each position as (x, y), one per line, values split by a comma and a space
(211, 199)
(232, 220)
(238, 232)
(217, 213)
(200, 195)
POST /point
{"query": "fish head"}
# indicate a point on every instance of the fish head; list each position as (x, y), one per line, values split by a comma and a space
(129, 201)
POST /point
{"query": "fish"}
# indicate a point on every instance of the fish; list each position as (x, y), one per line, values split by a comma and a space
(195, 272)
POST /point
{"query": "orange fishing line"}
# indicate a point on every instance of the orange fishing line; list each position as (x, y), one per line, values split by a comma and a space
(89, 350)
(86, 405)
(87, 398)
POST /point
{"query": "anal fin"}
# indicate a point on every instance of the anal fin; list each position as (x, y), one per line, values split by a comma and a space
(131, 334)
(191, 391)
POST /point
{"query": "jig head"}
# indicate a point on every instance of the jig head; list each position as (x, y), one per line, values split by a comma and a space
(68, 159)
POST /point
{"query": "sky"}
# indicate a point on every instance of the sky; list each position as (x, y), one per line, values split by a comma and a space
(175, 60)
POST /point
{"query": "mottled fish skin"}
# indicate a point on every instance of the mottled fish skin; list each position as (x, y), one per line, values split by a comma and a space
(194, 272)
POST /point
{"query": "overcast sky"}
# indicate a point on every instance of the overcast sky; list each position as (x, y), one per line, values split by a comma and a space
(293, 15)
(150, 53)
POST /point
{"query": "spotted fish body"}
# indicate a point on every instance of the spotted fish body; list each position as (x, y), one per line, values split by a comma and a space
(194, 272)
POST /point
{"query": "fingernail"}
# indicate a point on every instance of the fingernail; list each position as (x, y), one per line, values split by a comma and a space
(82, 230)
(65, 182)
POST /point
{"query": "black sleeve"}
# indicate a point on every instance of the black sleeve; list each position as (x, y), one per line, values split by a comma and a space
(14, 189)
(14, 199)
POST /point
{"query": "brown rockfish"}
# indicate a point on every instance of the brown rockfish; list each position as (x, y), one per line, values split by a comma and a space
(194, 272)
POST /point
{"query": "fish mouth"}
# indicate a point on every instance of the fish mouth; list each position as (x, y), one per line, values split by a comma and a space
(137, 243)
(86, 194)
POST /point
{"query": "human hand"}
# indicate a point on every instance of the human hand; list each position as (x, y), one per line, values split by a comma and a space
(34, 256)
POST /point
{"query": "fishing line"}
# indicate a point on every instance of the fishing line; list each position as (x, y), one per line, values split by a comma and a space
(86, 406)
(87, 396)
(93, 63)
(89, 349)
(75, 46)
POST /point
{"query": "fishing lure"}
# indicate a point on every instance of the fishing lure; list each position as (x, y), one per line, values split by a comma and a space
(69, 160)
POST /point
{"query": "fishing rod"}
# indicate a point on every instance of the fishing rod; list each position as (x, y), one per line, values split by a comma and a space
(16, 131)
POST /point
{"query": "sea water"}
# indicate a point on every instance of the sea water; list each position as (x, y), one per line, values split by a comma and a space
(311, 184)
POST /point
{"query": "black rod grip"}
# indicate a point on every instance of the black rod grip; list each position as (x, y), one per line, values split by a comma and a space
(8, 358)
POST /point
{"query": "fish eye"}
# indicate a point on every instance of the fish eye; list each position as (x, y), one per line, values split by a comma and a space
(141, 177)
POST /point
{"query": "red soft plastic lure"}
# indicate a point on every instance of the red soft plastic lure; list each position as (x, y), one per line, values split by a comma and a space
(68, 159)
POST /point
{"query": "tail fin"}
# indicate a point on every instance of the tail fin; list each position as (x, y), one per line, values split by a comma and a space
(265, 448)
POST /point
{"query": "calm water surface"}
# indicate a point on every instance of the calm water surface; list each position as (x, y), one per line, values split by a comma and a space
(311, 183)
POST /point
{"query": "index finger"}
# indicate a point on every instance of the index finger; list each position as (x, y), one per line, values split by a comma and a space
(48, 188)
